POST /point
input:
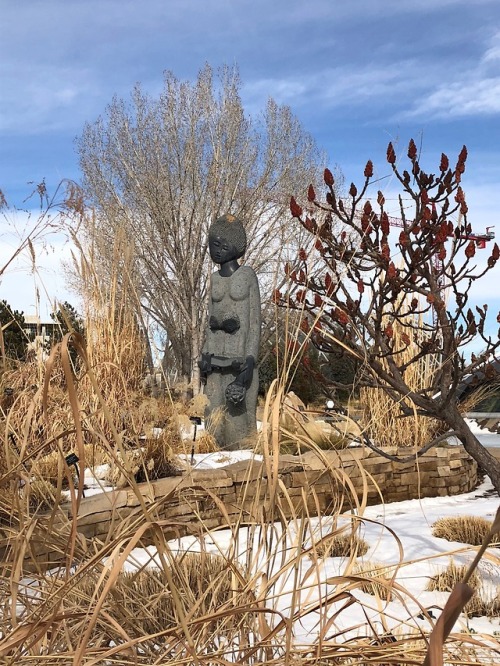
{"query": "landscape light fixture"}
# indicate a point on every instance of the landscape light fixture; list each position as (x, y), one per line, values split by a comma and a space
(73, 459)
(197, 421)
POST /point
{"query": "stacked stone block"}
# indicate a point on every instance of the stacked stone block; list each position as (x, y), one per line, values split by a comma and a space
(246, 493)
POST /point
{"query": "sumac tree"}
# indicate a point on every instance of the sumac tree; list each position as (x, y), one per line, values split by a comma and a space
(416, 276)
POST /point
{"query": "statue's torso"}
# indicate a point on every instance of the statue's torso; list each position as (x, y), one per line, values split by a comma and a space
(230, 312)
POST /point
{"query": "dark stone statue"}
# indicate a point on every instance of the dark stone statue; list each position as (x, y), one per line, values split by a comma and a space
(228, 361)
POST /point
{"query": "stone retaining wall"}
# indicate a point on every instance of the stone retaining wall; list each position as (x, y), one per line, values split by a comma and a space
(246, 492)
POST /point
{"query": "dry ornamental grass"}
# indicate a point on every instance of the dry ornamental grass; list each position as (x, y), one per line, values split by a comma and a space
(464, 529)
(381, 585)
(484, 605)
(381, 415)
(446, 580)
(151, 601)
(342, 545)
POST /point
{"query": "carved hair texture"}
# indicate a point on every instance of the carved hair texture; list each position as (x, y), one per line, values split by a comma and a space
(232, 230)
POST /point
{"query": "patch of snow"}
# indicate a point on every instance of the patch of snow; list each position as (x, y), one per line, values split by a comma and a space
(95, 481)
(399, 535)
(218, 458)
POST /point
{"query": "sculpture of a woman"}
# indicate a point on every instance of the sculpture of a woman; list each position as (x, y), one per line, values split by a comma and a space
(228, 361)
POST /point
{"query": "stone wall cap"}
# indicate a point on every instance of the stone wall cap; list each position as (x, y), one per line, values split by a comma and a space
(105, 501)
(247, 470)
(204, 474)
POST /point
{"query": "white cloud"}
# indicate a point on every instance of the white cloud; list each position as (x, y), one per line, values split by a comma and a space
(389, 90)
(493, 52)
(462, 81)
(468, 97)
(471, 88)
(339, 87)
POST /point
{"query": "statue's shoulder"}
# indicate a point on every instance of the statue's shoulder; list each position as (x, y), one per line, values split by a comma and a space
(215, 277)
(247, 272)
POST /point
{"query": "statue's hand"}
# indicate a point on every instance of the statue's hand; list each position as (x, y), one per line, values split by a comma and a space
(246, 376)
(236, 365)
(235, 393)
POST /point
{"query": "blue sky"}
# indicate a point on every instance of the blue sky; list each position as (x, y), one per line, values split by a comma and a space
(357, 73)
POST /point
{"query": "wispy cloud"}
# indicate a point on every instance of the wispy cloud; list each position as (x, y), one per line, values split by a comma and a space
(492, 54)
(402, 90)
(339, 87)
(470, 97)
(473, 89)
(382, 55)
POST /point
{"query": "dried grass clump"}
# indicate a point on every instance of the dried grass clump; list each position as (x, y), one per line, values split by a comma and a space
(206, 443)
(150, 412)
(95, 455)
(342, 545)
(125, 467)
(197, 405)
(50, 468)
(158, 456)
(464, 529)
(403, 646)
(144, 603)
(215, 421)
(380, 411)
(322, 434)
(9, 498)
(446, 580)
(40, 495)
(381, 585)
(301, 430)
(153, 461)
(483, 605)
(29, 429)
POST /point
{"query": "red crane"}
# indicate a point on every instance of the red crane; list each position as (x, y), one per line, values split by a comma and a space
(481, 239)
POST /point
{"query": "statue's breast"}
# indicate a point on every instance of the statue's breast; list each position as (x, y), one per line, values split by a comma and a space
(240, 286)
(219, 290)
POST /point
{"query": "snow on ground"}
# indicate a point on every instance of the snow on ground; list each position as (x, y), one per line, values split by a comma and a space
(95, 480)
(218, 458)
(414, 553)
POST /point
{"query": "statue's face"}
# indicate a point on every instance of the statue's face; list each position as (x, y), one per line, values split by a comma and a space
(221, 250)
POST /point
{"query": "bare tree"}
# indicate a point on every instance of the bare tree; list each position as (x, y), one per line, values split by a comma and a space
(162, 169)
(373, 283)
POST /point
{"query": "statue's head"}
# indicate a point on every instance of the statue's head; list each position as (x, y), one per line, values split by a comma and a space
(227, 239)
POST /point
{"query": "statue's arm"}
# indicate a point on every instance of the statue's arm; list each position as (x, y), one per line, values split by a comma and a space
(253, 337)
